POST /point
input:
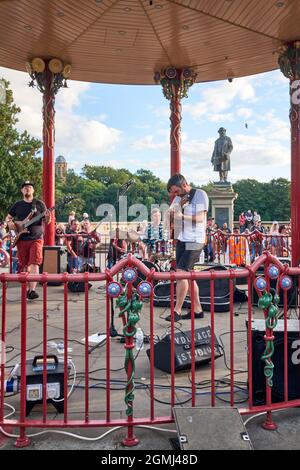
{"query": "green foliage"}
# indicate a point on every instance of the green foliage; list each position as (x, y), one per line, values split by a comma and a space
(99, 185)
(18, 161)
(271, 200)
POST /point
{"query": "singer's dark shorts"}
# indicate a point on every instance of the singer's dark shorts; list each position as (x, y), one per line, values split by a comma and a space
(187, 254)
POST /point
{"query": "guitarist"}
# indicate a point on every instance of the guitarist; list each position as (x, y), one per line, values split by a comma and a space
(190, 228)
(30, 245)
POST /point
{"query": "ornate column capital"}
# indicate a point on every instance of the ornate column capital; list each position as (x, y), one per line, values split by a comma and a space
(48, 75)
(289, 60)
(175, 82)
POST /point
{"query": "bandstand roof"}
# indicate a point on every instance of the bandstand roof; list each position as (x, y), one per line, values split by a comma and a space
(126, 41)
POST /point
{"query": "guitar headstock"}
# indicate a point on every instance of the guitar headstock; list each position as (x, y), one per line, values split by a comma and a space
(63, 202)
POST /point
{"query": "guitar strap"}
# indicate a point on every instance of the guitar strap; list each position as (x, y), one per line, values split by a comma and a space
(191, 197)
(34, 208)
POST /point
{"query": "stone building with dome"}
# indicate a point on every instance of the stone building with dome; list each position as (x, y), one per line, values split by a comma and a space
(61, 167)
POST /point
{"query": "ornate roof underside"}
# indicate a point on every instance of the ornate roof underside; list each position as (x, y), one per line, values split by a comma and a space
(126, 41)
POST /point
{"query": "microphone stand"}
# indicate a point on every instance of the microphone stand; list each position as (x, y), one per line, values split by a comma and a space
(112, 330)
(120, 192)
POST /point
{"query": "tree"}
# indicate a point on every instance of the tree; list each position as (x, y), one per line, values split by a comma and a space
(271, 200)
(18, 161)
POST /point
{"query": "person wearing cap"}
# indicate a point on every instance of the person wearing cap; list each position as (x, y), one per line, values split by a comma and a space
(29, 245)
(221, 155)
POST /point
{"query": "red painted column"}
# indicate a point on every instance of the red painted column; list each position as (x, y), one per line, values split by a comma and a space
(175, 84)
(48, 156)
(289, 63)
(175, 135)
(295, 180)
(48, 76)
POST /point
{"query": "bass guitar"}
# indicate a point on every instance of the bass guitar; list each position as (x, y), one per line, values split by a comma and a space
(21, 227)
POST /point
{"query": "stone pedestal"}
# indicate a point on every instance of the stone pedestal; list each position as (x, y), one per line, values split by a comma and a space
(222, 199)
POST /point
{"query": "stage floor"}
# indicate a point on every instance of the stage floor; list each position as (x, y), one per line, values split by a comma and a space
(97, 358)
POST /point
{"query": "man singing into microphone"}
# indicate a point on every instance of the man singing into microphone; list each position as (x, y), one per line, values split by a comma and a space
(190, 228)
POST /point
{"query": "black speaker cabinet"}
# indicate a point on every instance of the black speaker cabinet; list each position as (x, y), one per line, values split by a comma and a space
(162, 292)
(182, 350)
(258, 347)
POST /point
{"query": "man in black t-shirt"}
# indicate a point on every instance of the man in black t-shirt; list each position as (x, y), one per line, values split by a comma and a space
(30, 245)
(74, 247)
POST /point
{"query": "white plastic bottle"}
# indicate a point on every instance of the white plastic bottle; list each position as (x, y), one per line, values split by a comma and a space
(139, 339)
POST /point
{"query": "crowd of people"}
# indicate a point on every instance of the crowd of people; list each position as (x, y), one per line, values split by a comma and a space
(152, 239)
(247, 240)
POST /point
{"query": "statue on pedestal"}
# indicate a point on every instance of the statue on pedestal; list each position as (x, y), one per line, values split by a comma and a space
(221, 155)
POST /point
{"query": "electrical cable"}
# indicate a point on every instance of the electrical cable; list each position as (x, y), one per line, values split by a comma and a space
(72, 386)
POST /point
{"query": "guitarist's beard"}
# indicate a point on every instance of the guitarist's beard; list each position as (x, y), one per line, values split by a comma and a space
(28, 197)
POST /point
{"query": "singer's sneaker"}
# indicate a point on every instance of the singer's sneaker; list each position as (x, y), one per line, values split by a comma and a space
(177, 317)
(187, 316)
(32, 295)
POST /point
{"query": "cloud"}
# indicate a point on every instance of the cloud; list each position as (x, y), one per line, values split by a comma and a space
(160, 111)
(150, 142)
(219, 97)
(77, 136)
(244, 112)
(218, 117)
(276, 128)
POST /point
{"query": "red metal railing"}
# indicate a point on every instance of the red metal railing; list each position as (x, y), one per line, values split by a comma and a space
(154, 415)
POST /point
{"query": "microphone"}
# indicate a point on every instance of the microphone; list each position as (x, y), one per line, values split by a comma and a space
(126, 185)
(129, 183)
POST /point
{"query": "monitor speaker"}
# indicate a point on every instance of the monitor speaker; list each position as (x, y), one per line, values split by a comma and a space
(54, 261)
(258, 347)
(182, 350)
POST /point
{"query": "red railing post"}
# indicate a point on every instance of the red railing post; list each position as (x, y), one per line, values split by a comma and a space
(269, 423)
(3, 339)
(212, 344)
(44, 348)
(86, 334)
(192, 290)
(23, 440)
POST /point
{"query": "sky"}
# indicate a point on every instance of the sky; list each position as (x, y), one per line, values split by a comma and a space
(126, 126)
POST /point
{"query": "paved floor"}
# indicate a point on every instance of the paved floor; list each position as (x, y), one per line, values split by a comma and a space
(287, 435)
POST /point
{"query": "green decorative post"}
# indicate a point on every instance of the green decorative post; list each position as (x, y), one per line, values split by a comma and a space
(131, 306)
(269, 301)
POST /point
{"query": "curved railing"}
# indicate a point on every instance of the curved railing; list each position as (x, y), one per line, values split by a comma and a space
(131, 295)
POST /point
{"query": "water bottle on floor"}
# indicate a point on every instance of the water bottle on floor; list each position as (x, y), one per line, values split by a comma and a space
(139, 339)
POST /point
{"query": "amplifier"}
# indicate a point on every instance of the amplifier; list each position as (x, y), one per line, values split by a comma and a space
(182, 350)
(54, 261)
(258, 347)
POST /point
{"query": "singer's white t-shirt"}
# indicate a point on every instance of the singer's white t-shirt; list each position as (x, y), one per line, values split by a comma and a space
(190, 231)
